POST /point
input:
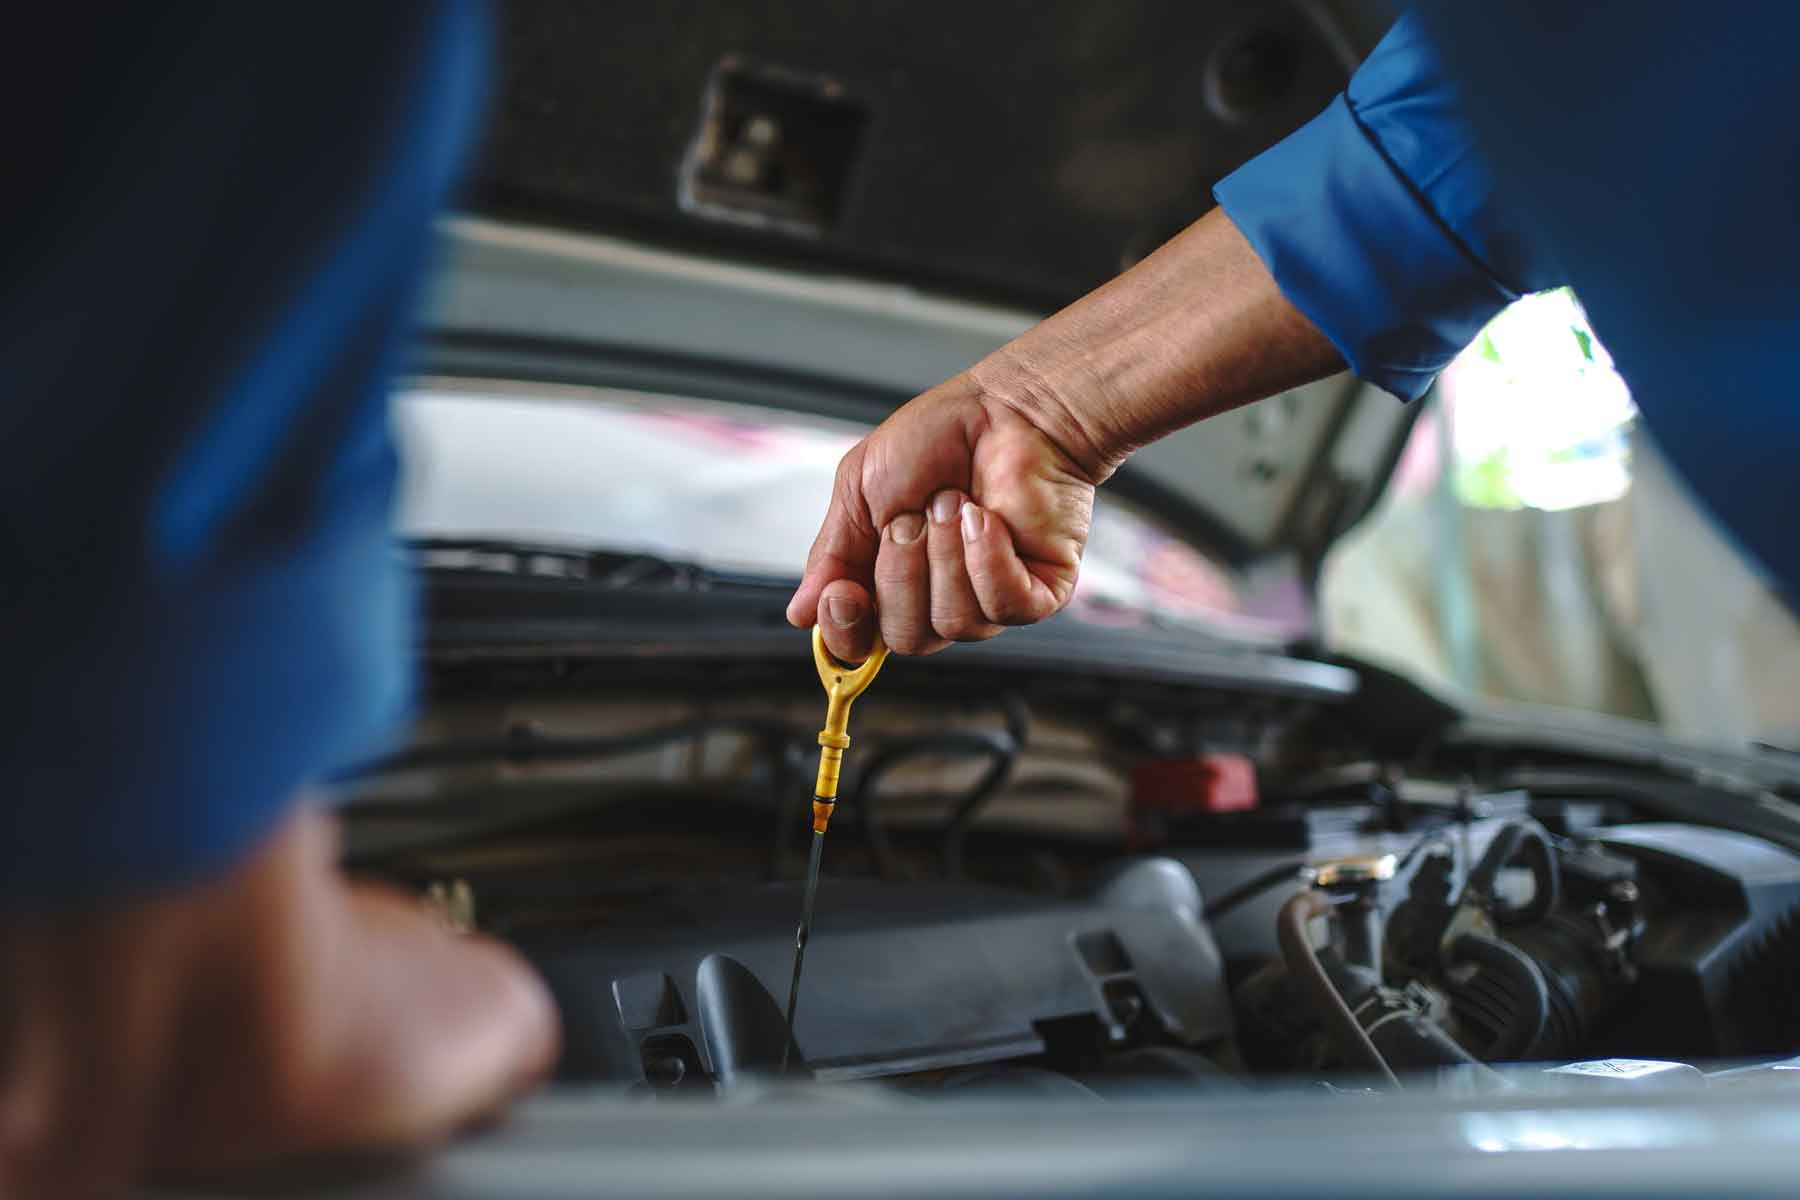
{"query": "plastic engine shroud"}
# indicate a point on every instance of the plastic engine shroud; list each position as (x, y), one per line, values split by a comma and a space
(899, 977)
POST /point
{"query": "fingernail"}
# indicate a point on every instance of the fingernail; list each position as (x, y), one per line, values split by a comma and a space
(944, 506)
(907, 527)
(971, 523)
(842, 611)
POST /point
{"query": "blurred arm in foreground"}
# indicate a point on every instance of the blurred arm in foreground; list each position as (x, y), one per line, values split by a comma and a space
(216, 237)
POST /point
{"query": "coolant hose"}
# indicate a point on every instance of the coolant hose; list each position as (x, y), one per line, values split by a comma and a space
(1303, 965)
(1521, 979)
(865, 796)
(1513, 838)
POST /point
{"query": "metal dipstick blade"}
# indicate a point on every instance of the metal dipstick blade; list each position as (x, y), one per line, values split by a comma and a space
(801, 935)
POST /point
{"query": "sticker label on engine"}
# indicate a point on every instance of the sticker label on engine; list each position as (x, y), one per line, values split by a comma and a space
(1617, 1068)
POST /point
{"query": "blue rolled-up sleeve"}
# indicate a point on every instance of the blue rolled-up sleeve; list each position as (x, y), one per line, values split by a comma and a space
(216, 230)
(1380, 222)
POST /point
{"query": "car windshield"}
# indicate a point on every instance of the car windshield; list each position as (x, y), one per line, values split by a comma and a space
(738, 488)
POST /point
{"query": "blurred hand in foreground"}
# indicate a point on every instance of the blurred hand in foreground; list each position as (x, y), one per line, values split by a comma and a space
(277, 1012)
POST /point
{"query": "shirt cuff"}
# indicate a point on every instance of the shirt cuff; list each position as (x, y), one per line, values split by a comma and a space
(1359, 253)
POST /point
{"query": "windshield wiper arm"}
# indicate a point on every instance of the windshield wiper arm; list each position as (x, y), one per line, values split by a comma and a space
(606, 570)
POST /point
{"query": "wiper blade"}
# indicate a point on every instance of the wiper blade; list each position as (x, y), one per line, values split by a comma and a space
(605, 570)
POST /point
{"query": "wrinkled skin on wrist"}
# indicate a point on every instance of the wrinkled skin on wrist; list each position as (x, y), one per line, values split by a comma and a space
(277, 1012)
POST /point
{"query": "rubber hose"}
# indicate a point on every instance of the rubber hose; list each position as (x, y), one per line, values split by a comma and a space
(1499, 853)
(1546, 888)
(956, 829)
(865, 797)
(1516, 967)
(1514, 837)
(1303, 964)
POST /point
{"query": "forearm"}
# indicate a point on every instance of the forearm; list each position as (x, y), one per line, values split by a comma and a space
(1197, 328)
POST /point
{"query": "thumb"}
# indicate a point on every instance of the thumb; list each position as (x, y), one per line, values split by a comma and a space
(430, 1032)
(451, 1029)
(847, 615)
(845, 547)
(324, 1016)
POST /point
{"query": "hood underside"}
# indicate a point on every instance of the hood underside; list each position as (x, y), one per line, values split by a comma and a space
(987, 163)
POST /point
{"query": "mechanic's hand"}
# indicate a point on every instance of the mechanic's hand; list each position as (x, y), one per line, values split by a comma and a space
(961, 514)
(276, 1012)
(968, 509)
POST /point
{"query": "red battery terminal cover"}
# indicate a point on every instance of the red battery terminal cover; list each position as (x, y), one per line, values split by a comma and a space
(1209, 784)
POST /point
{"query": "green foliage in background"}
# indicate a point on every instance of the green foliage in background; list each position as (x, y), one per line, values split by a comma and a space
(1491, 481)
(1488, 483)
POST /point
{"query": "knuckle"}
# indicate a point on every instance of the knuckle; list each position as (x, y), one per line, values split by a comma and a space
(944, 546)
(899, 567)
(907, 640)
(1017, 461)
(1008, 609)
(957, 627)
(895, 573)
(843, 485)
(847, 492)
(979, 631)
(849, 468)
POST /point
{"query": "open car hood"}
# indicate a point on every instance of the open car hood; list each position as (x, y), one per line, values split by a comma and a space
(870, 197)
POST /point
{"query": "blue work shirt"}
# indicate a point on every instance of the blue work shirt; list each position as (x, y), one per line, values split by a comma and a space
(216, 226)
(214, 231)
(1646, 153)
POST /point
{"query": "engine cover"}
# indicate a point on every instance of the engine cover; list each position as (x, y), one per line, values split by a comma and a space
(1720, 963)
(899, 977)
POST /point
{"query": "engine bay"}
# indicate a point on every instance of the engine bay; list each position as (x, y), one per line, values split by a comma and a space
(1076, 886)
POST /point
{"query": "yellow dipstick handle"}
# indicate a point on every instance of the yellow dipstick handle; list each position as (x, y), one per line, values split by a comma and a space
(842, 685)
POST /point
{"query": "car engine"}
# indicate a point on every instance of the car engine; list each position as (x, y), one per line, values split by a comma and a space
(1067, 879)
